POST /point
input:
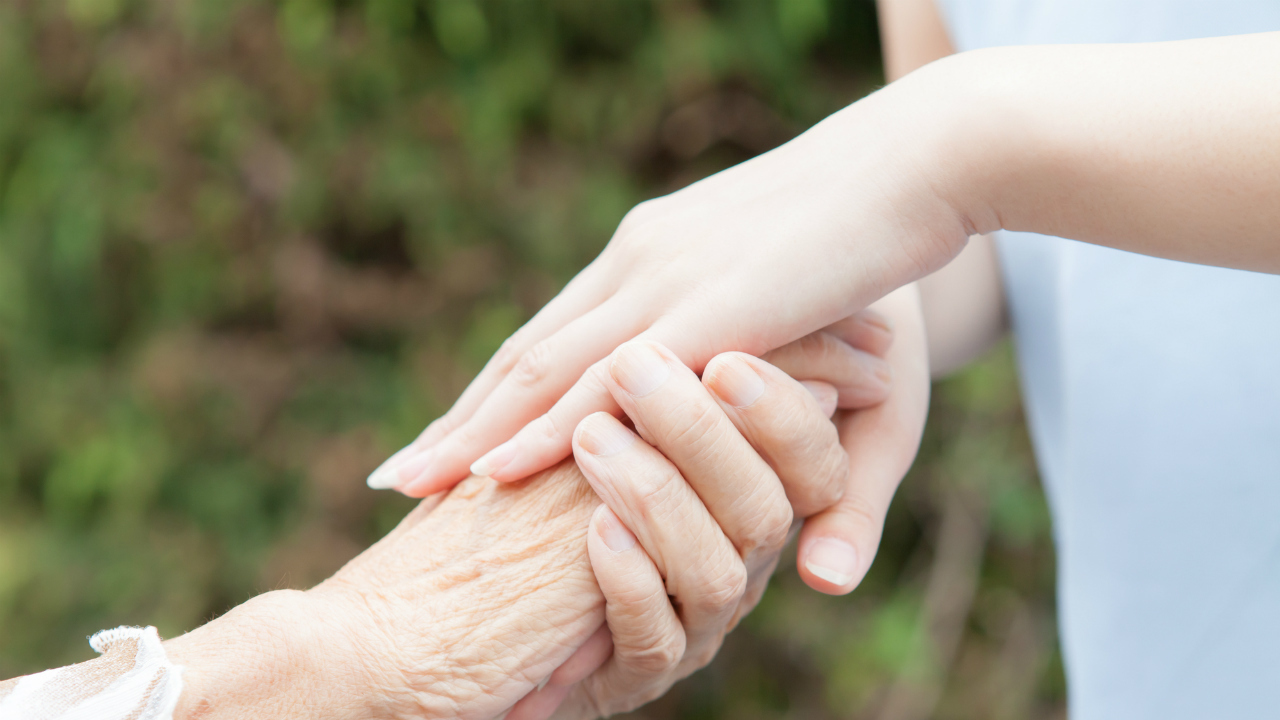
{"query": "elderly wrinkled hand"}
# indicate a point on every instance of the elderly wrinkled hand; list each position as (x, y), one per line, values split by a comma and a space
(748, 439)
(457, 613)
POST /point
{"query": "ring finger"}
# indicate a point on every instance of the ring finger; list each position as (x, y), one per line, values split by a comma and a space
(704, 574)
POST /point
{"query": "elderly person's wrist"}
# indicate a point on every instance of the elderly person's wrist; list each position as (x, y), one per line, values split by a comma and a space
(458, 613)
(283, 654)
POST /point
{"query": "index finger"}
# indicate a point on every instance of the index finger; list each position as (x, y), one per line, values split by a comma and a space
(548, 438)
(542, 373)
(582, 295)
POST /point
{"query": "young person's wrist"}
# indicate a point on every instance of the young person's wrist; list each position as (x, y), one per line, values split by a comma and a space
(940, 144)
(976, 131)
(1001, 129)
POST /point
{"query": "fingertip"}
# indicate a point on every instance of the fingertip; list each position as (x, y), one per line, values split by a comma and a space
(421, 489)
(612, 532)
(430, 478)
(731, 378)
(497, 459)
(383, 478)
(602, 435)
(825, 394)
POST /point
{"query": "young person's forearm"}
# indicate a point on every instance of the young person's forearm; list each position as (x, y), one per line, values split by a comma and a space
(1166, 149)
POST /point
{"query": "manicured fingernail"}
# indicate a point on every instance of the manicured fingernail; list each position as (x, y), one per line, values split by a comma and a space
(384, 477)
(825, 393)
(616, 536)
(494, 460)
(835, 561)
(604, 436)
(413, 468)
(638, 368)
(398, 470)
(736, 382)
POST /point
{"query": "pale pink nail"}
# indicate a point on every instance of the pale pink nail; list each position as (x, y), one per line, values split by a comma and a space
(639, 368)
(386, 475)
(736, 382)
(494, 460)
(414, 467)
(616, 536)
(602, 435)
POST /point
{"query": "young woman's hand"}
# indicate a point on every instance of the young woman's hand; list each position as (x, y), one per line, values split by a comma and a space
(1167, 149)
(747, 260)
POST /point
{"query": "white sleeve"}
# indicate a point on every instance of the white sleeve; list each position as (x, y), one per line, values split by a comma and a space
(132, 680)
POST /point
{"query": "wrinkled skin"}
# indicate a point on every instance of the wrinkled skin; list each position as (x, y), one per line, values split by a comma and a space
(457, 613)
(479, 596)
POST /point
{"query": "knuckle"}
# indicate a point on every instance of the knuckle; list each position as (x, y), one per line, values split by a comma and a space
(704, 655)
(772, 530)
(467, 435)
(627, 243)
(545, 428)
(441, 426)
(859, 511)
(629, 695)
(659, 657)
(825, 486)
(700, 429)
(652, 490)
(814, 467)
(533, 366)
(593, 380)
(723, 594)
(508, 353)
(636, 217)
(833, 478)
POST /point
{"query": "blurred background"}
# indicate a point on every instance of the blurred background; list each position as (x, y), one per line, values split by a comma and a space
(250, 248)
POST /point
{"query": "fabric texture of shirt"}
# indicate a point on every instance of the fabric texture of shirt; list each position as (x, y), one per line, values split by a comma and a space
(1152, 390)
(132, 680)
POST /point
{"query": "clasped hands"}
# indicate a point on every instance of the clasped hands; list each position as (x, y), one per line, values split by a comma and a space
(590, 588)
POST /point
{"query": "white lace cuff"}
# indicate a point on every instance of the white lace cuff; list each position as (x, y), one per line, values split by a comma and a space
(133, 680)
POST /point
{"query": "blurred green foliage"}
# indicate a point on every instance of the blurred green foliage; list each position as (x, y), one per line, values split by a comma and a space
(249, 248)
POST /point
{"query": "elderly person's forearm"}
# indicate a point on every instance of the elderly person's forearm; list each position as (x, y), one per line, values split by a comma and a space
(455, 614)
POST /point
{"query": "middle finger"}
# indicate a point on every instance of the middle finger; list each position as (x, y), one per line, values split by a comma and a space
(703, 571)
(677, 415)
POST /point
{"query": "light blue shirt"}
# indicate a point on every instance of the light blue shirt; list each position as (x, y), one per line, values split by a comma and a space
(1153, 395)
